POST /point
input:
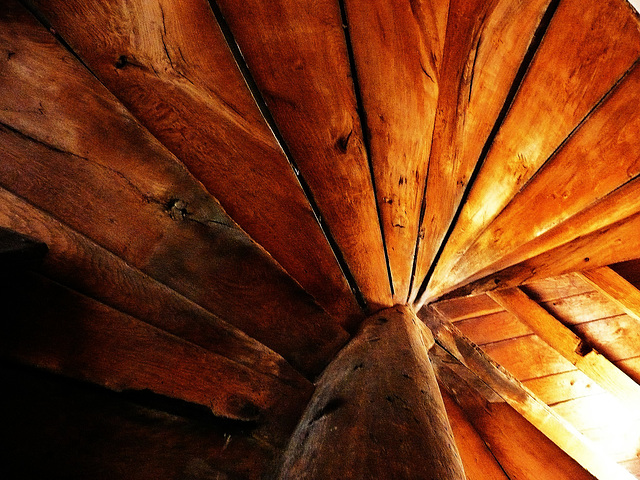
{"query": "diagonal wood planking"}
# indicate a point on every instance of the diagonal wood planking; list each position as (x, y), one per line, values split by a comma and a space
(485, 45)
(398, 51)
(581, 56)
(171, 67)
(71, 149)
(298, 57)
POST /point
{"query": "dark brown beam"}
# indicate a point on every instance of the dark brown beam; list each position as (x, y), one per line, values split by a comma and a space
(377, 411)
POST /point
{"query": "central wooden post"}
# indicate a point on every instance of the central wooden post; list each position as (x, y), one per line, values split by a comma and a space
(377, 411)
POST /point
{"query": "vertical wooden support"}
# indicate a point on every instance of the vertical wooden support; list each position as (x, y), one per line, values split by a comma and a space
(377, 411)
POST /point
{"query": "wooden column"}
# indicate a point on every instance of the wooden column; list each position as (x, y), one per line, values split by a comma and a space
(377, 411)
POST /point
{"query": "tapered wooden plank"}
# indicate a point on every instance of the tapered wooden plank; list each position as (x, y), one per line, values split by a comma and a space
(486, 42)
(520, 399)
(555, 288)
(77, 262)
(72, 150)
(599, 158)
(561, 387)
(58, 428)
(569, 345)
(612, 243)
(580, 58)
(196, 102)
(616, 288)
(52, 327)
(478, 462)
(461, 308)
(617, 338)
(582, 308)
(19, 251)
(398, 51)
(298, 56)
(492, 328)
(377, 409)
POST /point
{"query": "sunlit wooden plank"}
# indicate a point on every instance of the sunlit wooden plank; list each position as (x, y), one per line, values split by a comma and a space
(616, 288)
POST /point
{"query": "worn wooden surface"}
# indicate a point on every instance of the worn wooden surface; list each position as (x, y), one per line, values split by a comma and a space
(131, 196)
(59, 428)
(196, 102)
(376, 410)
(398, 51)
(615, 288)
(298, 57)
(485, 44)
(52, 327)
(578, 61)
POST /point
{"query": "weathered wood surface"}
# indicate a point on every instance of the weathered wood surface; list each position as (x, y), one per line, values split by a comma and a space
(485, 44)
(519, 398)
(49, 326)
(79, 263)
(297, 54)
(398, 51)
(580, 58)
(493, 328)
(58, 428)
(561, 387)
(569, 345)
(618, 338)
(615, 288)
(377, 409)
(72, 150)
(17, 250)
(522, 452)
(478, 462)
(576, 193)
(196, 102)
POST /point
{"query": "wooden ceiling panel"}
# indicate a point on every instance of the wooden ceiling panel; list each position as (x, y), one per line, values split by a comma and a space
(492, 328)
(297, 54)
(562, 387)
(398, 51)
(618, 338)
(71, 149)
(554, 288)
(195, 101)
(554, 98)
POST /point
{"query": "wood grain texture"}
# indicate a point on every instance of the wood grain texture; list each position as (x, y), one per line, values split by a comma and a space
(72, 150)
(577, 177)
(478, 462)
(54, 328)
(298, 57)
(398, 51)
(618, 338)
(582, 308)
(615, 288)
(561, 387)
(492, 328)
(529, 407)
(196, 102)
(486, 42)
(376, 409)
(461, 308)
(580, 58)
(79, 263)
(554, 288)
(58, 428)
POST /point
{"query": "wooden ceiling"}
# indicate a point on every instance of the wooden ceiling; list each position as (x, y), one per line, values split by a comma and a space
(227, 189)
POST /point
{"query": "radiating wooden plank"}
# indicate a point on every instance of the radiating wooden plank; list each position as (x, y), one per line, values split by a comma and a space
(196, 102)
(485, 44)
(398, 50)
(520, 399)
(554, 288)
(460, 308)
(561, 387)
(384, 372)
(599, 158)
(478, 462)
(494, 327)
(52, 327)
(72, 150)
(77, 262)
(58, 428)
(616, 288)
(578, 61)
(616, 337)
(582, 308)
(297, 54)
(18, 250)
(611, 243)
(569, 345)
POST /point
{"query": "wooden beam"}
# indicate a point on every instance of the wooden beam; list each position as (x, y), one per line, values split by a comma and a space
(377, 411)
(616, 288)
(17, 250)
(558, 430)
(569, 345)
(521, 450)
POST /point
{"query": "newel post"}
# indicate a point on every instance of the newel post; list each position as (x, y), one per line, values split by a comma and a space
(377, 411)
